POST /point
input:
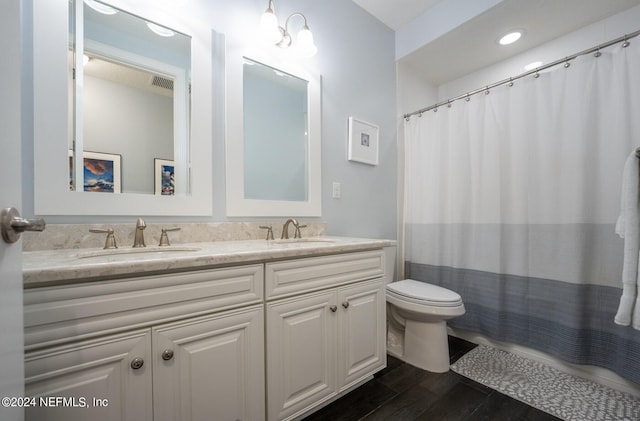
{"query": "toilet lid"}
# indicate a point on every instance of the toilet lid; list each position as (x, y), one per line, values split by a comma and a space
(422, 291)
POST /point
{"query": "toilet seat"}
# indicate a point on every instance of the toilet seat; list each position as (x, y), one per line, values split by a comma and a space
(423, 293)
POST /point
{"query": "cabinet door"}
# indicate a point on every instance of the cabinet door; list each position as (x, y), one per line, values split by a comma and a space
(210, 368)
(301, 344)
(361, 330)
(91, 380)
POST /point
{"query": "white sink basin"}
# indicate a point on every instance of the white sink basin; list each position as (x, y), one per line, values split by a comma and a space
(136, 251)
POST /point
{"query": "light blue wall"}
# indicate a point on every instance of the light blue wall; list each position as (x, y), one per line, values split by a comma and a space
(356, 61)
(357, 64)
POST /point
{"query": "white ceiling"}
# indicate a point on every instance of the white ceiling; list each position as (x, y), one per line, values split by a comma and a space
(472, 45)
(396, 13)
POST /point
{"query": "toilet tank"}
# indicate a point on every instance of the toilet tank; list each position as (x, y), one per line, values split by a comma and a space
(390, 258)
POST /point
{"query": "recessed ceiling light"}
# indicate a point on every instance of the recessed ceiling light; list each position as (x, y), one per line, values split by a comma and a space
(99, 7)
(510, 38)
(160, 30)
(533, 65)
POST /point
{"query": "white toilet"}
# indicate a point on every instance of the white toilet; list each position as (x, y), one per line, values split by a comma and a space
(417, 327)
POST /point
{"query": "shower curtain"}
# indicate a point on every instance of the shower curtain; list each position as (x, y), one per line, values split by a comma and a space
(512, 198)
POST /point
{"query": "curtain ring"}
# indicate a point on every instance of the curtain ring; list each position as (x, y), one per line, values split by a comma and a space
(449, 104)
(626, 42)
(486, 91)
(597, 53)
(566, 63)
(435, 109)
(536, 75)
(510, 84)
(420, 114)
(468, 98)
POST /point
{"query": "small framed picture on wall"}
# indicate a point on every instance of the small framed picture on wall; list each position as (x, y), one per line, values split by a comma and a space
(363, 142)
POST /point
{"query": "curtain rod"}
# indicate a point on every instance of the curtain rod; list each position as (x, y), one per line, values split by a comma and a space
(625, 39)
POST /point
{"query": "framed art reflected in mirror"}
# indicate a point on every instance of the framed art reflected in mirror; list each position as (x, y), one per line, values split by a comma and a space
(102, 172)
(164, 177)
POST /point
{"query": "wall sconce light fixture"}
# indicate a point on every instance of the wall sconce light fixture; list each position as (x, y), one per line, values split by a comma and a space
(272, 33)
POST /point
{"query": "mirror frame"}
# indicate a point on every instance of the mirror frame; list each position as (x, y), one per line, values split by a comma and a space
(237, 204)
(51, 132)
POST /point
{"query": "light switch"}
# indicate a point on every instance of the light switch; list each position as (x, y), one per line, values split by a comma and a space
(336, 190)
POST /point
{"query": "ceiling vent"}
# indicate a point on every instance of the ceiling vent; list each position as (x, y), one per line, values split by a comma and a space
(162, 82)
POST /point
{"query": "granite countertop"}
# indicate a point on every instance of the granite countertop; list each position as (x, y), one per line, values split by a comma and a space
(50, 267)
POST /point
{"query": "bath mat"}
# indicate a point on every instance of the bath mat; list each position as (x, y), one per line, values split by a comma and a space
(546, 388)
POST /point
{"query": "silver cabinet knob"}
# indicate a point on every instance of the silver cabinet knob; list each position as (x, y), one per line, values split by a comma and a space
(345, 304)
(137, 363)
(13, 224)
(333, 308)
(167, 354)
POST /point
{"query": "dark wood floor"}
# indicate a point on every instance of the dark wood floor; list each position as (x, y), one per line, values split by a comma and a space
(402, 392)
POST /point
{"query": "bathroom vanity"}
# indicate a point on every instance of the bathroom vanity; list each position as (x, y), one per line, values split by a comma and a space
(231, 330)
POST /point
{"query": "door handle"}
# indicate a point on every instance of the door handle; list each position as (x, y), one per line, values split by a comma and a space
(13, 224)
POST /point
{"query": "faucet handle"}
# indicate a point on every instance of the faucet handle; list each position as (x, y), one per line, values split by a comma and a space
(269, 229)
(297, 234)
(110, 242)
(164, 238)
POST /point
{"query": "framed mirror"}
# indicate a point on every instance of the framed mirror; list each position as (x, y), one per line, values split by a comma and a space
(135, 137)
(274, 140)
(131, 99)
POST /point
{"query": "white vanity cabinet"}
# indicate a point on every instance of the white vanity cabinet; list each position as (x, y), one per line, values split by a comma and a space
(276, 339)
(186, 346)
(326, 341)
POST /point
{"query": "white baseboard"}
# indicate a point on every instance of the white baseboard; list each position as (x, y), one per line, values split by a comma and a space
(599, 375)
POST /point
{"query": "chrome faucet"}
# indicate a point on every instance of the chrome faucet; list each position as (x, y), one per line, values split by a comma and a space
(138, 240)
(285, 228)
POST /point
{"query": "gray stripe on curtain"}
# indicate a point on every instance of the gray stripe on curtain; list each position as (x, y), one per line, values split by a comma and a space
(572, 322)
(581, 253)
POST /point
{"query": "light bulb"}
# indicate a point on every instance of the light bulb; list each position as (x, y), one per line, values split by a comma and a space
(305, 46)
(533, 65)
(269, 29)
(510, 38)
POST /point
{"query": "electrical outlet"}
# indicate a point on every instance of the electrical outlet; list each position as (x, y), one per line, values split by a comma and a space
(336, 190)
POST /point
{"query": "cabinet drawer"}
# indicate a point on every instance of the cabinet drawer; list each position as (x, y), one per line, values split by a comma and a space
(61, 313)
(304, 275)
